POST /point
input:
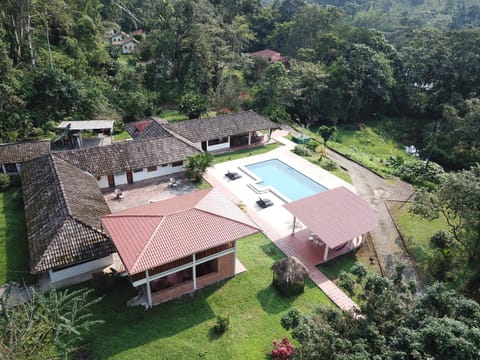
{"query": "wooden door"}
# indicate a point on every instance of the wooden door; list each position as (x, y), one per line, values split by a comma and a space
(111, 181)
(129, 177)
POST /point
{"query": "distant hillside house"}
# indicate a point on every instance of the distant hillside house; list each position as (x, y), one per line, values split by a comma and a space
(267, 54)
(12, 155)
(149, 128)
(116, 36)
(179, 245)
(128, 45)
(130, 161)
(224, 131)
(63, 206)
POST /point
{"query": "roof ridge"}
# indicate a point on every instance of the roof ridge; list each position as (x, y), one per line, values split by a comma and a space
(149, 241)
(130, 215)
(227, 218)
(59, 183)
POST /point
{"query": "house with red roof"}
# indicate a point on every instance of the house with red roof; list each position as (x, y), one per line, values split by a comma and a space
(267, 54)
(176, 246)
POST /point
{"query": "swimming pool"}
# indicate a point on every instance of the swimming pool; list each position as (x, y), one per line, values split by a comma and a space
(287, 180)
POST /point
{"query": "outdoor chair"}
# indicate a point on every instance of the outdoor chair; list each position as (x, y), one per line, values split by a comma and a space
(233, 175)
(264, 203)
(172, 182)
(118, 194)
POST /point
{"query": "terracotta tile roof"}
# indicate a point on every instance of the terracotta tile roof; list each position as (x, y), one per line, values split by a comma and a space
(150, 128)
(197, 130)
(128, 155)
(268, 54)
(63, 206)
(23, 151)
(335, 216)
(161, 232)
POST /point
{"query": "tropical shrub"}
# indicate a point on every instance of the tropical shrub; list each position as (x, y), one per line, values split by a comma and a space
(282, 350)
(330, 165)
(222, 324)
(302, 150)
(196, 166)
(4, 182)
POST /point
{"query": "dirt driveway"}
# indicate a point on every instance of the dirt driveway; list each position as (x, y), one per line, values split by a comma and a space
(376, 190)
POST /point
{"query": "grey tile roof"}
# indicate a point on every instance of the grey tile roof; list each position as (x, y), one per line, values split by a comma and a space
(63, 206)
(149, 128)
(128, 155)
(197, 130)
(23, 151)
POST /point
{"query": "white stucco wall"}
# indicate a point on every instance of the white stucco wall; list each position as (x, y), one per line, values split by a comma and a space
(87, 268)
(220, 146)
(141, 175)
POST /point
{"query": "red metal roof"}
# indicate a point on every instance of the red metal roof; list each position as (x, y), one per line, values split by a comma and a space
(161, 232)
(335, 216)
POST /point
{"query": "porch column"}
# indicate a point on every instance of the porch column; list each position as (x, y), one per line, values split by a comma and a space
(149, 292)
(325, 255)
(249, 138)
(235, 260)
(17, 166)
(3, 169)
(194, 274)
(294, 224)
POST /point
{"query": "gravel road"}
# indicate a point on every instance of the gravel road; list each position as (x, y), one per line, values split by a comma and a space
(376, 190)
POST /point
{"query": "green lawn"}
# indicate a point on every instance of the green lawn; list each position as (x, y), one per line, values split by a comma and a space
(371, 146)
(175, 115)
(182, 329)
(417, 233)
(244, 153)
(14, 255)
(121, 136)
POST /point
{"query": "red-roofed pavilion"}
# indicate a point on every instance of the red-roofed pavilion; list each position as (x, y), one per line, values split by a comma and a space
(179, 245)
(336, 218)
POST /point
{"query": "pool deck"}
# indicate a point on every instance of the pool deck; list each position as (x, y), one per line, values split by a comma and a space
(276, 222)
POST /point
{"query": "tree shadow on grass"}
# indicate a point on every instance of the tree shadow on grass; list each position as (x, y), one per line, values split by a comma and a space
(15, 238)
(272, 302)
(128, 328)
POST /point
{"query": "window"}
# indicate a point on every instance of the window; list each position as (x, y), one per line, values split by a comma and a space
(137, 170)
(177, 163)
(151, 168)
(121, 173)
(218, 141)
(164, 165)
(99, 178)
(10, 168)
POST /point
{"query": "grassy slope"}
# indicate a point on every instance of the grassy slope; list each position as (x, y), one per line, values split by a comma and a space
(122, 136)
(13, 239)
(372, 145)
(417, 233)
(181, 329)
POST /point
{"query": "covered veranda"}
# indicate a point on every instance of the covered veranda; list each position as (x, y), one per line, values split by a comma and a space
(336, 221)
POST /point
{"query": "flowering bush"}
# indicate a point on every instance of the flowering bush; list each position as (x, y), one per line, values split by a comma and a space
(282, 350)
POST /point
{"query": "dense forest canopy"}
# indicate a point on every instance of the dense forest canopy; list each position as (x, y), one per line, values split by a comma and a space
(346, 62)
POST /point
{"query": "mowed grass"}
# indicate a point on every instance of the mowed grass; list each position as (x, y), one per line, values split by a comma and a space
(182, 329)
(417, 232)
(175, 115)
(14, 257)
(244, 153)
(121, 136)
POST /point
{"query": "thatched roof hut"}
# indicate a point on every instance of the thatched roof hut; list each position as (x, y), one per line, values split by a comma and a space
(289, 270)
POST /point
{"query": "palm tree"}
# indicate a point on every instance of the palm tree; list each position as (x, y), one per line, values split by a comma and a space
(289, 276)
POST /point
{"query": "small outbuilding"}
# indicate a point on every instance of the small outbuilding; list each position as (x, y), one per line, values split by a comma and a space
(338, 219)
(12, 155)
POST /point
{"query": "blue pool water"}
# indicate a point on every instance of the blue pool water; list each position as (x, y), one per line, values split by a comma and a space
(285, 179)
